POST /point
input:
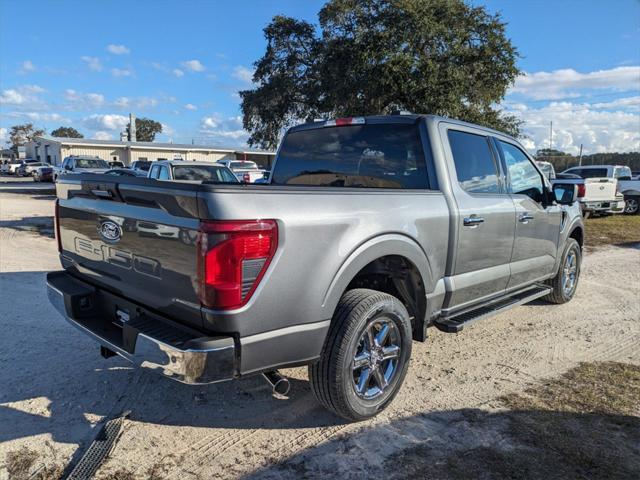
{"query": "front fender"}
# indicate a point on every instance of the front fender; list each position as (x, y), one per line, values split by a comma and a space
(367, 252)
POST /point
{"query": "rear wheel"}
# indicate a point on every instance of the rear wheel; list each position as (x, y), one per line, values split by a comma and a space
(365, 357)
(565, 282)
(631, 205)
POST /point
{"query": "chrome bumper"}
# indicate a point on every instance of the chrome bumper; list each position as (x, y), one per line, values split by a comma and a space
(192, 360)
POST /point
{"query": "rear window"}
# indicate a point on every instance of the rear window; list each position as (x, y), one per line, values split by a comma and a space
(91, 163)
(371, 155)
(244, 165)
(203, 173)
(590, 172)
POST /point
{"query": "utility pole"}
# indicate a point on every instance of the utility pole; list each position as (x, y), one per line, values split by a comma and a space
(580, 164)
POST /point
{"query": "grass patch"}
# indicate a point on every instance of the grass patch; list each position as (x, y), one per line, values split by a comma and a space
(612, 230)
(582, 425)
(23, 464)
(608, 388)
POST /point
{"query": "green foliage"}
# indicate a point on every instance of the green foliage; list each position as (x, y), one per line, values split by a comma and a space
(146, 129)
(550, 152)
(20, 135)
(68, 132)
(374, 56)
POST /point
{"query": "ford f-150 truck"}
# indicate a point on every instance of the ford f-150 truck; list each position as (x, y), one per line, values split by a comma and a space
(369, 231)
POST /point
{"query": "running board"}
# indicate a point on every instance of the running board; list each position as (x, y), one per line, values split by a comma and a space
(457, 322)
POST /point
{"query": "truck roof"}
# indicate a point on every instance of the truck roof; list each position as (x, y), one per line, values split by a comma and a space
(397, 118)
(190, 163)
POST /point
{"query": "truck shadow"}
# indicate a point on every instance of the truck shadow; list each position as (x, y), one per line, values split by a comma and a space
(473, 444)
(41, 225)
(55, 382)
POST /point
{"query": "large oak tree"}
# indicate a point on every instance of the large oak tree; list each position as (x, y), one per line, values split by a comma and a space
(374, 56)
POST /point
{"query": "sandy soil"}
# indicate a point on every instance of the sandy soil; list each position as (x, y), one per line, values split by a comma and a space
(55, 388)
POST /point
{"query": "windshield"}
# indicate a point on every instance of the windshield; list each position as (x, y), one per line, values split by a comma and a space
(244, 165)
(203, 173)
(91, 163)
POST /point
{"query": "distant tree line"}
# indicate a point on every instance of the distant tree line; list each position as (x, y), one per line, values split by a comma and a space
(562, 160)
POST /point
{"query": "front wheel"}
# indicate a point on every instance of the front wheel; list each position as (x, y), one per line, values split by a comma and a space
(565, 282)
(365, 357)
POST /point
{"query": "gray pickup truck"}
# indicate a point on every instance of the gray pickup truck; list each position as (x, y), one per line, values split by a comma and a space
(369, 231)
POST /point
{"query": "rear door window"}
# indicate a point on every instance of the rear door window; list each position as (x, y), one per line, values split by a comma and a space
(357, 156)
(475, 166)
(164, 173)
(592, 173)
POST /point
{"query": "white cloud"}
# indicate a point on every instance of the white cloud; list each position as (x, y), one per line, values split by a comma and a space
(223, 130)
(167, 130)
(24, 95)
(117, 49)
(193, 66)
(93, 63)
(80, 100)
(26, 67)
(38, 116)
(243, 74)
(190, 106)
(628, 103)
(120, 72)
(177, 72)
(101, 135)
(106, 122)
(4, 135)
(567, 83)
(597, 129)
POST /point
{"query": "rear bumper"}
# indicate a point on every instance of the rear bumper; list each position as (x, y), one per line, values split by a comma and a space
(613, 206)
(140, 336)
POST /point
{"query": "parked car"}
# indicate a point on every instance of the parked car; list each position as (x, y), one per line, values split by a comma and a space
(547, 169)
(14, 166)
(184, 171)
(116, 164)
(626, 186)
(80, 164)
(126, 172)
(246, 171)
(27, 169)
(43, 174)
(371, 230)
(142, 165)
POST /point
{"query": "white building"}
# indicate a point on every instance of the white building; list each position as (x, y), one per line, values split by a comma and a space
(54, 150)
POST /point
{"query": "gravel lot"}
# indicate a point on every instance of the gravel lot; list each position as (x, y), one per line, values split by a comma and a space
(55, 388)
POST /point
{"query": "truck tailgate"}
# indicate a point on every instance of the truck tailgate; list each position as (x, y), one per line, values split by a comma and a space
(133, 237)
(598, 189)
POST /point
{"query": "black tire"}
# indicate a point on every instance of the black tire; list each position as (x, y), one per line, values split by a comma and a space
(333, 376)
(631, 205)
(560, 294)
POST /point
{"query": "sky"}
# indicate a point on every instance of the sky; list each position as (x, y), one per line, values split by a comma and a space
(88, 64)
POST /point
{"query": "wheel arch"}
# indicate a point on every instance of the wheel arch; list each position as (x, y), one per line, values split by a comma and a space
(395, 264)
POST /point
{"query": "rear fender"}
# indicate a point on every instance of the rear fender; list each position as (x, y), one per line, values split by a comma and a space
(372, 249)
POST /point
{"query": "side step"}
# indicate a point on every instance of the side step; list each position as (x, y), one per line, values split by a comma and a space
(457, 322)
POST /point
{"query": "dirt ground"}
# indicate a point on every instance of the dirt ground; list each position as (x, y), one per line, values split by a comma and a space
(55, 388)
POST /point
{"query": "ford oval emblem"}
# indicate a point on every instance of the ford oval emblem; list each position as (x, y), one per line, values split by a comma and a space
(110, 231)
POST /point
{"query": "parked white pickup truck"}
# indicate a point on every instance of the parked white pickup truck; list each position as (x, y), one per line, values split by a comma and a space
(597, 193)
(626, 186)
(245, 170)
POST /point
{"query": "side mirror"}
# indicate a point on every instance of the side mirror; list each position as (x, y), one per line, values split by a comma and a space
(565, 193)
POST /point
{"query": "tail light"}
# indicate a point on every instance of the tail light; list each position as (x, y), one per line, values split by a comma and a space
(57, 225)
(246, 178)
(582, 190)
(232, 258)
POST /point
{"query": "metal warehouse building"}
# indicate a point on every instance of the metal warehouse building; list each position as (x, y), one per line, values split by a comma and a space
(54, 150)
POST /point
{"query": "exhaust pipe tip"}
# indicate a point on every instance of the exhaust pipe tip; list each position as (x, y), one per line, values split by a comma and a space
(280, 385)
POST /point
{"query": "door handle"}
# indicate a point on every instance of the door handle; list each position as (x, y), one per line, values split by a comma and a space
(525, 217)
(472, 221)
